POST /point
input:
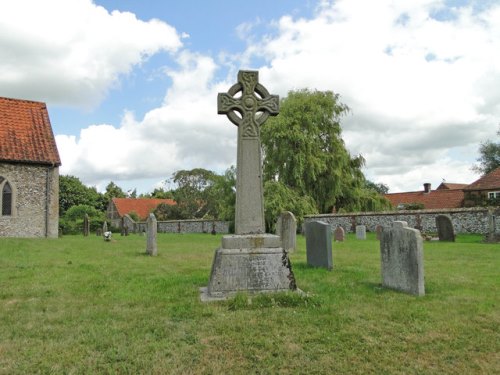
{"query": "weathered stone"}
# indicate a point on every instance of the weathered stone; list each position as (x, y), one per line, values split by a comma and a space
(445, 228)
(378, 230)
(249, 261)
(339, 234)
(402, 259)
(254, 269)
(286, 228)
(249, 191)
(152, 247)
(319, 244)
(104, 227)
(361, 232)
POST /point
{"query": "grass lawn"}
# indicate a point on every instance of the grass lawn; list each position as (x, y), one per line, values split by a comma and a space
(81, 305)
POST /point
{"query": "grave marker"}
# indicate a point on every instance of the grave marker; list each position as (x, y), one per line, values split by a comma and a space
(445, 228)
(361, 232)
(152, 227)
(86, 225)
(339, 234)
(319, 244)
(250, 260)
(286, 228)
(402, 263)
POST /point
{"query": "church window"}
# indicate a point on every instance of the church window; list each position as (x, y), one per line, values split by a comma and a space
(6, 200)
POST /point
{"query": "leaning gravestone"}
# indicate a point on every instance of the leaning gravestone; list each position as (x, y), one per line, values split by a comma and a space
(319, 244)
(250, 260)
(378, 230)
(339, 234)
(361, 232)
(152, 226)
(402, 259)
(445, 228)
(286, 228)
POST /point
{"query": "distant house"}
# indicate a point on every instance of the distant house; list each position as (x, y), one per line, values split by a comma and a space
(29, 170)
(447, 195)
(484, 189)
(119, 207)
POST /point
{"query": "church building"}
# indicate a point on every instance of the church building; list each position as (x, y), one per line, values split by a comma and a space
(29, 170)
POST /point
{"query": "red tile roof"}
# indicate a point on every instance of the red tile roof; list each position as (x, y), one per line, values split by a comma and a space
(451, 186)
(25, 133)
(141, 206)
(436, 199)
(487, 182)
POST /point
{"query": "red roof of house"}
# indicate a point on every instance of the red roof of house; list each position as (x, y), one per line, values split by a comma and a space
(141, 206)
(25, 133)
(451, 186)
(487, 182)
(435, 199)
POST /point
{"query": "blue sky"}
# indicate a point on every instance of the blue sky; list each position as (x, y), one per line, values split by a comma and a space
(131, 86)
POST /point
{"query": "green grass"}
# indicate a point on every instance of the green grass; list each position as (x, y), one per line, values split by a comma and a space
(81, 305)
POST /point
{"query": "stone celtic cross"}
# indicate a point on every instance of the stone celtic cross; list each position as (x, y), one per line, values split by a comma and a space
(254, 107)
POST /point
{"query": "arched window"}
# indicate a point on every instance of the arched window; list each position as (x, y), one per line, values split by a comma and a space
(6, 200)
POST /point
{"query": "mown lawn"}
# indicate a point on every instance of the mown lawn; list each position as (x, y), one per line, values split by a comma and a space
(81, 305)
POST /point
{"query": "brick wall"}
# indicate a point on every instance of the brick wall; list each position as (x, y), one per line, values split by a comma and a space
(35, 201)
(464, 220)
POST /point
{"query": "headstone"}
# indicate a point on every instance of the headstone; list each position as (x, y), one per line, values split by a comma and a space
(445, 228)
(378, 230)
(493, 234)
(286, 228)
(152, 225)
(361, 232)
(86, 225)
(339, 234)
(250, 260)
(104, 227)
(122, 226)
(319, 244)
(98, 232)
(402, 259)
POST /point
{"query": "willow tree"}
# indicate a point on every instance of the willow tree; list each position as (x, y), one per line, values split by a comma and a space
(304, 150)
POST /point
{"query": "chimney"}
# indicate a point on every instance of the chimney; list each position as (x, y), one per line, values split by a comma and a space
(427, 187)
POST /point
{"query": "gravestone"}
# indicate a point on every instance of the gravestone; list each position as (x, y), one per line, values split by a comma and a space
(378, 230)
(86, 225)
(445, 228)
(286, 228)
(250, 260)
(361, 232)
(493, 235)
(319, 244)
(339, 234)
(152, 227)
(104, 227)
(402, 259)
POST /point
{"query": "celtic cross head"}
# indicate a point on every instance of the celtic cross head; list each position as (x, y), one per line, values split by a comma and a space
(252, 108)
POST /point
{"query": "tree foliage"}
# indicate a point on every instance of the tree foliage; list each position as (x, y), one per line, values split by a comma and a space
(304, 150)
(72, 221)
(202, 193)
(72, 192)
(489, 159)
(279, 197)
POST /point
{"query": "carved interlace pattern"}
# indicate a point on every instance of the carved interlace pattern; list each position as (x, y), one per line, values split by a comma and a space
(254, 109)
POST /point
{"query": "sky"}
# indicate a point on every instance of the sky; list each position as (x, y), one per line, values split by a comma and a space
(131, 85)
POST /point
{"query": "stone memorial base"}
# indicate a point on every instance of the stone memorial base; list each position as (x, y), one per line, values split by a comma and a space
(253, 263)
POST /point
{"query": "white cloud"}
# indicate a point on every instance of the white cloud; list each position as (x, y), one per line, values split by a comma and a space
(423, 91)
(418, 87)
(71, 51)
(184, 133)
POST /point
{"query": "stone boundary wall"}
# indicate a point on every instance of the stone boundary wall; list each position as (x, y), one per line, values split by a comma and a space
(186, 226)
(464, 220)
